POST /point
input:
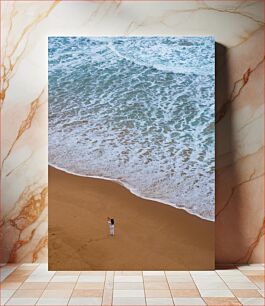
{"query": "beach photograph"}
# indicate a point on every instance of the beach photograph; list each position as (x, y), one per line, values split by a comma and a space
(131, 132)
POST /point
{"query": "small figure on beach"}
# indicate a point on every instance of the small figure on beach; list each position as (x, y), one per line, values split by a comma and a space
(111, 226)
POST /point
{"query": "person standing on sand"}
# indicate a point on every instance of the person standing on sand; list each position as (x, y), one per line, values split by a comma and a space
(111, 226)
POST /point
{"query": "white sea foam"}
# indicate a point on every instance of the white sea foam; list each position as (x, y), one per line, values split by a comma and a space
(139, 111)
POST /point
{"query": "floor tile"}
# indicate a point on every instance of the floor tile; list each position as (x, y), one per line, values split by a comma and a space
(235, 278)
(10, 285)
(128, 273)
(42, 270)
(22, 301)
(129, 286)
(177, 273)
(211, 285)
(42, 273)
(185, 285)
(251, 301)
(95, 273)
(108, 285)
(241, 285)
(188, 301)
(7, 293)
(68, 273)
(85, 301)
(91, 278)
(34, 284)
(212, 278)
(16, 278)
(86, 286)
(128, 279)
(232, 272)
(107, 297)
(128, 301)
(20, 271)
(87, 293)
(216, 293)
(56, 294)
(209, 280)
(215, 301)
(256, 278)
(151, 273)
(156, 285)
(128, 293)
(159, 301)
(28, 286)
(53, 301)
(251, 267)
(180, 278)
(28, 293)
(155, 278)
(253, 272)
(39, 278)
(3, 300)
(109, 274)
(157, 293)
(64, 279)
(109, 280)
(203, 273)
(6, 271)
(181, 293)
(60, 286)
(246, 293)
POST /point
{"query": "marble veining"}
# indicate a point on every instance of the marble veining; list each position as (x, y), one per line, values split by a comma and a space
(238, 27)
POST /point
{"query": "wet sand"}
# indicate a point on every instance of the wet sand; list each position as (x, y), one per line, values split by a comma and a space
(148, 235)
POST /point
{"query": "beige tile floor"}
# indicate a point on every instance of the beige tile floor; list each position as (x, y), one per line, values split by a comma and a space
(33, 284)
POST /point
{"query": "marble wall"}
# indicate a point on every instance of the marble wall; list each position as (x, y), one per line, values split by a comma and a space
(238, 28)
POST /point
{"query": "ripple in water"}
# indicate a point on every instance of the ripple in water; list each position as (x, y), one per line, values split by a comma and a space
(139, 110)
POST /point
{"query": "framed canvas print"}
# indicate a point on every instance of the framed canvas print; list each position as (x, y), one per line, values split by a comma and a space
(131, 153)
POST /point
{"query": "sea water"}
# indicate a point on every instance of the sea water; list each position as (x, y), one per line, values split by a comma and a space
(137, 110)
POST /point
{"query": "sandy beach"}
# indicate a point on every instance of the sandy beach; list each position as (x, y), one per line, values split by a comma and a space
(148, 235)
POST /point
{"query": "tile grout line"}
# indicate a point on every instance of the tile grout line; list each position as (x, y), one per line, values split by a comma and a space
(144, 287)
(112, 287)
(198, 288)
(218, 289)
(72, 290)
(102, 296)
(216, 274)
(15, 289)
(41, 294)
(10, 296)
(169, 288)
(229, 288)
(19, 265)
(43, 289)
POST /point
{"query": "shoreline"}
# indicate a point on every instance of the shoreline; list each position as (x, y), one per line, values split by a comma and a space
(148, 235)
(130, 189)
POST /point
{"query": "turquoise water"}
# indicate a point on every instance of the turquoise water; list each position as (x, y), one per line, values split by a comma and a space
(139, 110)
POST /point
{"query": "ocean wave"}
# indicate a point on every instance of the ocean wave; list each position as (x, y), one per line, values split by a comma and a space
(150, 130)
(135, 192)
(204, 70)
